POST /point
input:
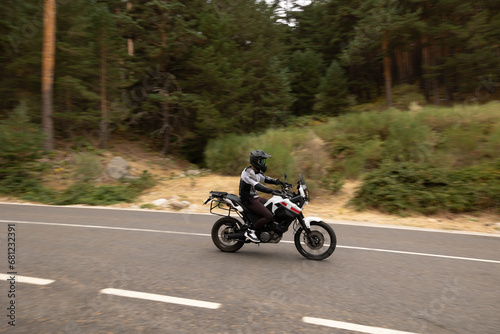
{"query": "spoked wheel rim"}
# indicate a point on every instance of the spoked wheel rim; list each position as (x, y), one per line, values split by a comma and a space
(319, 244)
(315, 241)
(221, 228)
(223, 231)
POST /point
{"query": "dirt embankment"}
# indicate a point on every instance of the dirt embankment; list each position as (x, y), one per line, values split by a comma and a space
(176, 181)
(187, 183)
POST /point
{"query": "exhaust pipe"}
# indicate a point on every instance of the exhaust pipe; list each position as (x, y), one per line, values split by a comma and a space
(240, 235)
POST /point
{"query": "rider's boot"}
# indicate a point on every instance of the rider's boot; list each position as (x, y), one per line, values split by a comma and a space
(252, 235)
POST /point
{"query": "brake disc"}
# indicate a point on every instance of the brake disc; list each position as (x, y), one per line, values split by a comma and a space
(315, 240)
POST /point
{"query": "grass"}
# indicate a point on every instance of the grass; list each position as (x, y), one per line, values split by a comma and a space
(439, 143)
(83, 192)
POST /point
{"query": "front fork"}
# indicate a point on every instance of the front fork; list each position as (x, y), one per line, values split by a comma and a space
(304, 224)
(312, 238)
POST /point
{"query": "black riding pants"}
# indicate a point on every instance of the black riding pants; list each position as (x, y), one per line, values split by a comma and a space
(256, 205)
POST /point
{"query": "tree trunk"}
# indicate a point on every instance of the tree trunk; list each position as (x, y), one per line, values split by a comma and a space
(447, 88)
(48, 61)
(166, 128)
(130, 41)
(401, 73)
(164, 31)
(435, 81)
(387, 70)
(103, 131)
(425, 51)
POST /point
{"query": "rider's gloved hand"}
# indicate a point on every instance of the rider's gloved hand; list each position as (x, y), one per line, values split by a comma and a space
(281, 183)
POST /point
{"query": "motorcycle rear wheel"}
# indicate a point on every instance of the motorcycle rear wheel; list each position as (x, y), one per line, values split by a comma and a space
(224, 226)
(319, 245)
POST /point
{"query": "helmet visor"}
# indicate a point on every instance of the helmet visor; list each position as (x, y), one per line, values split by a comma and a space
(262, 162)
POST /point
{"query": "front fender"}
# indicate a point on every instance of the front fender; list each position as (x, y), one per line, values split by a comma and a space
(308, 220)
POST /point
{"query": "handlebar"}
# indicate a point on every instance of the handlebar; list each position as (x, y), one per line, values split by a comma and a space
(285, 190)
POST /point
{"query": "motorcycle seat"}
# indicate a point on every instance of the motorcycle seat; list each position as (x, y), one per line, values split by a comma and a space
(235, 199)
(218, 193)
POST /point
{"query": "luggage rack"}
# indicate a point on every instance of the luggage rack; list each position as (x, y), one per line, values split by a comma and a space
(217, 202)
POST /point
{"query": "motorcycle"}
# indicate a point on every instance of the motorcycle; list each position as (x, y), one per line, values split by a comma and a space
(313, 238)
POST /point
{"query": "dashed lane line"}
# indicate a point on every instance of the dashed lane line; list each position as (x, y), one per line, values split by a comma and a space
(25, 279)
(205, 304)
(351, 327)
(160, 298)
(291, 242)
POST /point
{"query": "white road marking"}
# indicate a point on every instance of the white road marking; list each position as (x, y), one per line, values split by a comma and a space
(106, 227)
(284, 241)
(329, 221)
(25, 279)
(411, 253)
(160, 298)
(351, 327)
(421, 254)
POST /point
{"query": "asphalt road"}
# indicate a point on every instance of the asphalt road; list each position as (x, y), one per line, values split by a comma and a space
(379, 280)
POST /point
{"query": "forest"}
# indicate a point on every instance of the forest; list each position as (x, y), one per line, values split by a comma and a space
(182, 74)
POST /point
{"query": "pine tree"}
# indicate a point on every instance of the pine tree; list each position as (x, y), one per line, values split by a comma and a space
(384, 24)
(332, 97)
(306, 69)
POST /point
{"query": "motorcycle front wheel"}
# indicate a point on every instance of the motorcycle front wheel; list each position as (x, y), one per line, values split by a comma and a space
(320, 243)
(221, 228)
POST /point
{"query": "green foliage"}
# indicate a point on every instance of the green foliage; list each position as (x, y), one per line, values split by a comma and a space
(354, 144)
(20, 149)
(20, 141)
(404, 95)
(306, 71)
(444, 137)
(332, 96)
(293, 151)
(228, 155)
(399, 188)
(202, 69)
(88, 193)
(333, 183)
(408, 140)
(88, 166)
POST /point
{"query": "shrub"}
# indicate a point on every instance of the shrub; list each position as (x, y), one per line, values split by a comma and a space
(408, 140)
(333, 183)
(293, 151)
(87, 193)
(20, 149)
(404, 95)
(228, 154)
(396, 188)
(88, 166)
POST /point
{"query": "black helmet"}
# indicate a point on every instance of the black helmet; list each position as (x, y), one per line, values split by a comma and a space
(258, 160)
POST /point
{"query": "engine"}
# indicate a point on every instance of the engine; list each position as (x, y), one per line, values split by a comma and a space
(270, 236)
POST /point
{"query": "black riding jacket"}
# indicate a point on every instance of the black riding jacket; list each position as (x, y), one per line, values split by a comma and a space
(250, 183)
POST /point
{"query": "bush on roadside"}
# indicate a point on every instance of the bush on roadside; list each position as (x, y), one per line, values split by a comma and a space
(404, 95)
(293, 151)
(410, 187)
(87, 193)
(333, 183)
(20, 148)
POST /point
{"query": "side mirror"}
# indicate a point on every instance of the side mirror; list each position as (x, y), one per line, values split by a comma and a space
(285, 176)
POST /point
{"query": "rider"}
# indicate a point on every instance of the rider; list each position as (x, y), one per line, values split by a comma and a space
(249, 184)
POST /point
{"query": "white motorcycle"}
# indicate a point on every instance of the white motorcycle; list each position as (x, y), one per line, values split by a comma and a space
(313, 238)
